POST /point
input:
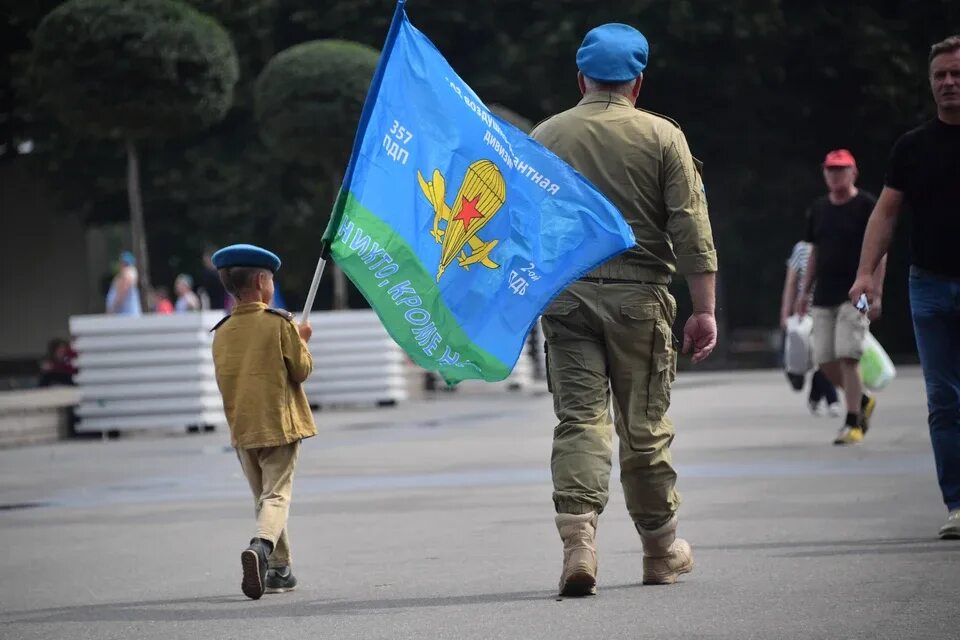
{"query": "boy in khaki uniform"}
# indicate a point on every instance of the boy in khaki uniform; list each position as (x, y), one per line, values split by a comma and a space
(261, 360)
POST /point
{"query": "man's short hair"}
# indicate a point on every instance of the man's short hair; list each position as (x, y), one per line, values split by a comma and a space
(947, 45)
(236, 280)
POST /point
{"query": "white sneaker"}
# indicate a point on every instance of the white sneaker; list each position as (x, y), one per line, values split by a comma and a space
(951, 530)
(835, 410)
(814, 408)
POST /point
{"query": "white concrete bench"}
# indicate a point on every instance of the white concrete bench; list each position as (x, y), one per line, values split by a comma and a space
(35, 416)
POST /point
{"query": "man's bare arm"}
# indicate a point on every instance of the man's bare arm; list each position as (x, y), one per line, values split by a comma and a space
(876, 242)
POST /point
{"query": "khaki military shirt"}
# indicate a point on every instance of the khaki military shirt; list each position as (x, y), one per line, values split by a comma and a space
(642, 163)
(261, 363)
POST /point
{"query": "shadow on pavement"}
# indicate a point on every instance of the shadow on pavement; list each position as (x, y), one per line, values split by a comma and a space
(231, 607)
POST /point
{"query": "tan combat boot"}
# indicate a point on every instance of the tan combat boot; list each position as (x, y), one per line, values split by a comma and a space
(665, 556)
(579, 554)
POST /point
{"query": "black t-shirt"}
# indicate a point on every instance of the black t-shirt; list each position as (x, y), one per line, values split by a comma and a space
(925, 166)
(210, 281)
(837, 233)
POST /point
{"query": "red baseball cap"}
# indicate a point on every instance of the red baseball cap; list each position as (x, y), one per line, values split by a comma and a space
(839, 158)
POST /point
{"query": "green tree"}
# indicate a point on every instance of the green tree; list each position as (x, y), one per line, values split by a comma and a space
(133, 71)
(308, 101)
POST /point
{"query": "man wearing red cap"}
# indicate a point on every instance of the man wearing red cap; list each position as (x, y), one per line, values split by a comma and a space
(836, 224)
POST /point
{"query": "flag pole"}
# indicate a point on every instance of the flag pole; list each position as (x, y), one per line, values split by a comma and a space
(317, 274)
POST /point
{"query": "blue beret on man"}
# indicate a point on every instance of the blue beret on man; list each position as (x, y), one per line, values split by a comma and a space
(613, 53)
(246, 255)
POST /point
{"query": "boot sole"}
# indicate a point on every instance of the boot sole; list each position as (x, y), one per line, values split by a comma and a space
(252, 585)
(579, 585)
(669, 578)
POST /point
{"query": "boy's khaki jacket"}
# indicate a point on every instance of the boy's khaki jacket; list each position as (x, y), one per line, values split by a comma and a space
(261, 363)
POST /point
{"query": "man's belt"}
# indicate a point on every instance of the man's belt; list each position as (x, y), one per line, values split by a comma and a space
(621, 281)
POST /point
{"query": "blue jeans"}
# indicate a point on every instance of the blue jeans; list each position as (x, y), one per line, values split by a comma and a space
(935, 306)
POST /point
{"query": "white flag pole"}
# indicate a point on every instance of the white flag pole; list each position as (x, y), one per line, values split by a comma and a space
(308, 305)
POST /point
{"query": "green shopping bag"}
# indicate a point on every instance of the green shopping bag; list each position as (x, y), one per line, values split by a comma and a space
(875, 365)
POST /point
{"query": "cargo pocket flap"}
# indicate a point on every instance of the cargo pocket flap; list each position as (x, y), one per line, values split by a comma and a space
(561, 307)
(641, 311)
(664, 354)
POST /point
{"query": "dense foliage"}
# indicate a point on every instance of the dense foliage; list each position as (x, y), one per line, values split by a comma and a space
(762, 88)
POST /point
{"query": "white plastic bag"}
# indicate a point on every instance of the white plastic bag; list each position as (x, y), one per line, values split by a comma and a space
(875, 365)
(798, 345)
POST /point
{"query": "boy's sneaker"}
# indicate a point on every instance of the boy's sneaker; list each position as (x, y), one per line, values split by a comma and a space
(867, 405)
(849, 435)
(951, 530)
(254, 563)
(834, 410)
(814, 407)
(280, 579)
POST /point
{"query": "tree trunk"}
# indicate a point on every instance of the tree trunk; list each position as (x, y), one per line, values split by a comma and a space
(138, 230)
(339, 278)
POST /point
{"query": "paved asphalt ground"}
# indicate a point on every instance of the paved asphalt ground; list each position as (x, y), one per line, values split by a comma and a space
(433, 520)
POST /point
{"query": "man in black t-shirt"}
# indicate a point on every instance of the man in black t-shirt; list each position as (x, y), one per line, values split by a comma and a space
(835, 226)
(210, 283)
(924, 173)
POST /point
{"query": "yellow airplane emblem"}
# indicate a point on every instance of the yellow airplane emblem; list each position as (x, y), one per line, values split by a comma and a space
(481, 195)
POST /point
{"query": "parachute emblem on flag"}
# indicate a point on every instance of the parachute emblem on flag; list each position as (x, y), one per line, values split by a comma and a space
(481, 194)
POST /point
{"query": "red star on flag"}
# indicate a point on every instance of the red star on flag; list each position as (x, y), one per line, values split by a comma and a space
(468, 212)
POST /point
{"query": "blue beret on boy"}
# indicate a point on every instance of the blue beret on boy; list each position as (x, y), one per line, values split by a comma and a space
(246, 255)
(613, 53)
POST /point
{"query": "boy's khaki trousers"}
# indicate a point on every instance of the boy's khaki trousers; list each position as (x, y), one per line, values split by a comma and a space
(269, 471)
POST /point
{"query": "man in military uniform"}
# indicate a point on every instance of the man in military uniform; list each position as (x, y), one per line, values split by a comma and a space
(609, 333)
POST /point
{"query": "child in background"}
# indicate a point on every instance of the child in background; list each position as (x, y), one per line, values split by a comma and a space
(187, 300)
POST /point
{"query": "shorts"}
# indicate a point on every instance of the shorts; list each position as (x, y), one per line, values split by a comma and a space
(838, 333)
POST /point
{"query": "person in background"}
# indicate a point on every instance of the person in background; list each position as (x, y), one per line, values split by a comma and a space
(211, 289)
(836, 223)
(160, 301)
(278, 302)
(58, 367)
(821, 389)
(187, 300)
(123, 298)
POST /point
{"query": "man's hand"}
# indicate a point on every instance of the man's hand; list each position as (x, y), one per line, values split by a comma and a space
(802, 307)
(305, 331)
(864, 284)
(700, 334)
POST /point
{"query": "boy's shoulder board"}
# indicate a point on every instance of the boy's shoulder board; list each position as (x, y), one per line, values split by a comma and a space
(286, 315)
(217, 326)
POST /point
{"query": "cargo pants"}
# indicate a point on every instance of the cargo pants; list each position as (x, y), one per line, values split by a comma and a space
(612, 341)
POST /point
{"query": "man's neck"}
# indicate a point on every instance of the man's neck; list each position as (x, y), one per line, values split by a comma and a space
(601, 94)
(949, 116)
(844, 196)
